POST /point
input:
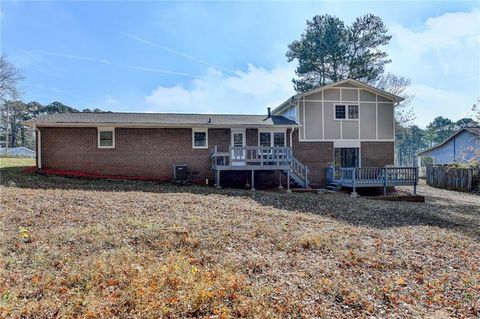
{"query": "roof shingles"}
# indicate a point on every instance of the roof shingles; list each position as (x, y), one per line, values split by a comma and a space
(161, 119)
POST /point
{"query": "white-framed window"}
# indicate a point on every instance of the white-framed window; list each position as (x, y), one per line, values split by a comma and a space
(106, 137)
(340, 113)
(279, 139)
(353, 112)
(346, 112)
(265, 139)
(200, 137)
(275, 138)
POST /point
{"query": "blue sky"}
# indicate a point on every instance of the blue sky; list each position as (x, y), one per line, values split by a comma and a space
(224, 57)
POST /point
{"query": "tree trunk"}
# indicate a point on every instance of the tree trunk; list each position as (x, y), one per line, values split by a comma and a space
(13, 134)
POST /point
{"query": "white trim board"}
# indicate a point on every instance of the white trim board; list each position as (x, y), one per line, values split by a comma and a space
(358, 84)
(346, 144)
(344, 101)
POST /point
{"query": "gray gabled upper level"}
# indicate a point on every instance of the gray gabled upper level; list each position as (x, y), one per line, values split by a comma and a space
(348, 110)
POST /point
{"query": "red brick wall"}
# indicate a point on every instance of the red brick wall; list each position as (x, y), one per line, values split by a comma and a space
(319, 155)
(149, 152)
(251, 137)
(316, 155)
(377, 154)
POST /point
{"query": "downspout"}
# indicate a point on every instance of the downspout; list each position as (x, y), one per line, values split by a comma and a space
(291, 136)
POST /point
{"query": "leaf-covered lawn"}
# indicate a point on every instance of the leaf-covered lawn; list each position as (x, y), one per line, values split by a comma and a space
(111, 249)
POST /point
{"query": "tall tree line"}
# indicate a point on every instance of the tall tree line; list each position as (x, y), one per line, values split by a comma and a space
(12, 113)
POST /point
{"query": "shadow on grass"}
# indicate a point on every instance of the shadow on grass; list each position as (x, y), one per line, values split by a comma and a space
(438, 212)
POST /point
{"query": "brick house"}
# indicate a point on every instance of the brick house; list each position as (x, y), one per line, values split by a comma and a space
(343, 125)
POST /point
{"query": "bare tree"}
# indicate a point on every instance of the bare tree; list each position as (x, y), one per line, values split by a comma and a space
(476, 110)
(398, 85)
(9, 78)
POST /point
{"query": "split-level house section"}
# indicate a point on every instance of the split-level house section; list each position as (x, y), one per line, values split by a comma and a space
(346, 124)
(330, 131)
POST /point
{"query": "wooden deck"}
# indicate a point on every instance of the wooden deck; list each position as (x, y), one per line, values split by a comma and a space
(256, 158)
(356, 177)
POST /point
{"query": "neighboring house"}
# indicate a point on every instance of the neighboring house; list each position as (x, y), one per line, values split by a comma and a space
(462, 147)
(346, 124)
(18, 151)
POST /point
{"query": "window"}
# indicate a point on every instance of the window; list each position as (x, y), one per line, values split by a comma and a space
(344, 113)
(106, 137)
(339, 112)
(279, 139)
(200, 138)
(353, 112)
(238, 139)
(265, 139)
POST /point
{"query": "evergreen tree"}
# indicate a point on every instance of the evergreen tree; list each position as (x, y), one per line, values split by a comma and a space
(440, 129)
(330, 51)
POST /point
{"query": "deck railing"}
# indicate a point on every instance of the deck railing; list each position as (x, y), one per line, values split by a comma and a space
(253, 156)
(301, 170)
(261, 158)
(373, 176)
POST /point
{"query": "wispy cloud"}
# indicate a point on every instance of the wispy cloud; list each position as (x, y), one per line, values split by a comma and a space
(128, 66)
(184, 55)
(76, 57)
(46, 88)
(142, 68)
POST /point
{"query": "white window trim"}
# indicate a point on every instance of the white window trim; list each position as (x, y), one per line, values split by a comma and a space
(106, 129)
(284, 139)
(358, 109)
(272, 139)
(346, 112)
(199, 130)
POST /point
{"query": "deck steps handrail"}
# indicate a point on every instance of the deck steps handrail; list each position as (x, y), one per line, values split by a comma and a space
(300, 170)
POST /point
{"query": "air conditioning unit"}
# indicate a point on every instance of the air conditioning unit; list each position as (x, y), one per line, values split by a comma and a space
(180, 172)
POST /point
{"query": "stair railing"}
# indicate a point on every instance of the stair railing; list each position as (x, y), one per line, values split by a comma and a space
(300, 170)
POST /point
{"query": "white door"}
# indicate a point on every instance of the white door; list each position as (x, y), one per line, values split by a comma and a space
(238, 151)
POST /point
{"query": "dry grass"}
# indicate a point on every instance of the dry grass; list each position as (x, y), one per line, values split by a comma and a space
(111, 249)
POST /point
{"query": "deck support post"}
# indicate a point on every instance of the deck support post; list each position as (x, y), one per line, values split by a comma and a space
(280, 180)
(384, 182)
(253, 180)
(415, 182)
(288, 181)
(354, 188)
(217, 181)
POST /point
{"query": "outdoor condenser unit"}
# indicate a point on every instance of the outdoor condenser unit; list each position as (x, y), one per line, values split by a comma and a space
(180, 172)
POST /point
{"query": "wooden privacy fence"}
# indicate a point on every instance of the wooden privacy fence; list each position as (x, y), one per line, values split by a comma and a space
(453, 178)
